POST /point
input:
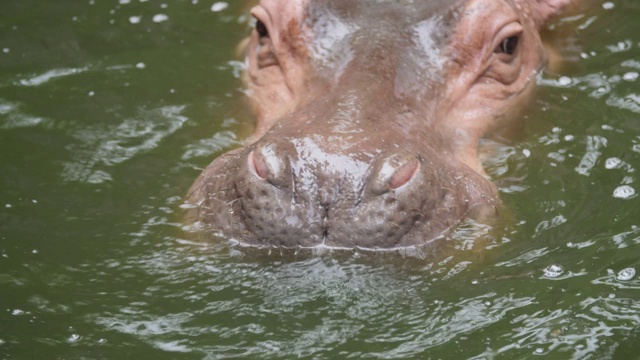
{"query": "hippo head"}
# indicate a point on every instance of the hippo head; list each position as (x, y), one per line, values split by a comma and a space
(369, 115)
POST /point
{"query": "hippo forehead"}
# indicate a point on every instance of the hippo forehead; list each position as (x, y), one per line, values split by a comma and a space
(400, 40)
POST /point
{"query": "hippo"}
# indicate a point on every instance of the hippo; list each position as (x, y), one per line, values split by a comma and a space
(369, 116)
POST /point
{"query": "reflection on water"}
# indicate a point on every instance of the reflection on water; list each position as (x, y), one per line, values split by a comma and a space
(108, 109)
(102, 147)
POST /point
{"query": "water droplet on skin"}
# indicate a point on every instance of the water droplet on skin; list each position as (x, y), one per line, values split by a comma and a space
(624, 192)
(553, 271)
(626, 274)
(219, 6)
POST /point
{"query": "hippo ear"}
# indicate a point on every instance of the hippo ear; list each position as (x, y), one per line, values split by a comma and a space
(548, 8)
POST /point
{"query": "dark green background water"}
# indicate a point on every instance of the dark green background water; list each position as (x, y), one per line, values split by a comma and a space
(105, 121)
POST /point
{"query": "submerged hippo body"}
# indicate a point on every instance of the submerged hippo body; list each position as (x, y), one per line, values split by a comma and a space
(369, 115)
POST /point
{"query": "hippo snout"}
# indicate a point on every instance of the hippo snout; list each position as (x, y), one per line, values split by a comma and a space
(298, 193)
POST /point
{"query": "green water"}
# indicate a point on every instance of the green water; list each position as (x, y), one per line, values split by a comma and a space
(107, 116)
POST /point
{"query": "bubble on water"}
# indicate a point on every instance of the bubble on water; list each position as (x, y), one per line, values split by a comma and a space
(124, 2)
(2, 342)
(102, 341)
(526, 152)
(612, 296)
(569, 137)
(6, 50)
(160, 18)
(135, 19)
(91, 93)
(187, 206)
(34, 251)
(474, 282)
(141, 65)
(626, 274)
(612, 163)
(219, 6)
(17, 312)
(608, 5)
(8, 206)
(631, 76)
(564, 81)
(553, 271)
(194, 2)
(74, 338)
(624, 192)
(539, 351)
(163, 6)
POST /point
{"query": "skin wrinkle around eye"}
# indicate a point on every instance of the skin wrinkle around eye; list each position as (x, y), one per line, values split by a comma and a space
(275, 71)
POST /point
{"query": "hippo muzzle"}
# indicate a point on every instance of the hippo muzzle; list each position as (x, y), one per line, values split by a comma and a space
(312, 190)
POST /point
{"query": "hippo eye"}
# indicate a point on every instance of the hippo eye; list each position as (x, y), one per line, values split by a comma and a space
(508, 46)
(261, 29)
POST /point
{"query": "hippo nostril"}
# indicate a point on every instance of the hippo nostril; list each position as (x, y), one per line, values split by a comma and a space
(259, 165)
(405, 173)
(393, 173)
(269, 166)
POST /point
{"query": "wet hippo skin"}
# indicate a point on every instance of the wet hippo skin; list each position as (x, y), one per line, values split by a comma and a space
(369, 115)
